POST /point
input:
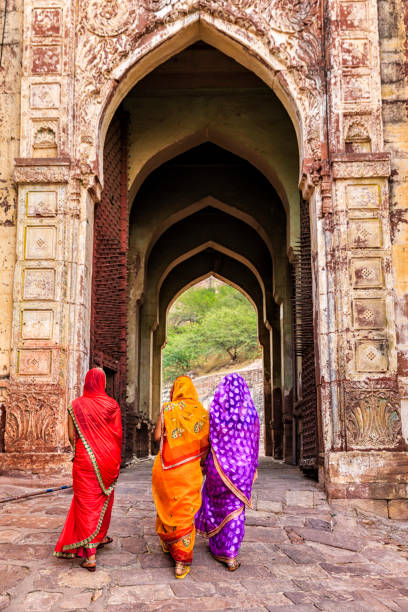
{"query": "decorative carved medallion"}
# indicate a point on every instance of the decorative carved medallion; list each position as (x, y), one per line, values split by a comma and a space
(108, 17)
(34, 420)
(372, 415)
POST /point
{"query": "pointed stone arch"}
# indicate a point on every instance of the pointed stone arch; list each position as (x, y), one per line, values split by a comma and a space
(275, 40)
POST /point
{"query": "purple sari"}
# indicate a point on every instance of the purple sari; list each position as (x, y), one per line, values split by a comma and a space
(230, 468)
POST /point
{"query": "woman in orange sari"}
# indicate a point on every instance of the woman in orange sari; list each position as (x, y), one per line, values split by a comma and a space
(95, 432)
(177, 477)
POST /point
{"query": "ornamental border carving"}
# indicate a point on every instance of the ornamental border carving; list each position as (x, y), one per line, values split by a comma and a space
(112, 37)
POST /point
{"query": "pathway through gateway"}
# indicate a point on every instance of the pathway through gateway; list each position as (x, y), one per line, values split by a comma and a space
(299, 554)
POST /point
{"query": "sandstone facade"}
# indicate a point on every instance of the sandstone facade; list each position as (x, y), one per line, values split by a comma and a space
(97, 98)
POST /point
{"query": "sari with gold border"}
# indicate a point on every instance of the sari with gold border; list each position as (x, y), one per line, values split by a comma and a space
(177, 476)
(230, 468)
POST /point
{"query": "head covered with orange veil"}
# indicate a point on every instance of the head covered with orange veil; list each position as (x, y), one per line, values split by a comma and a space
(185, 423)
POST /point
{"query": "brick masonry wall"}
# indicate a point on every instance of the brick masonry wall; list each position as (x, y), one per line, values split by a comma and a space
(206, 386)
(109, 291)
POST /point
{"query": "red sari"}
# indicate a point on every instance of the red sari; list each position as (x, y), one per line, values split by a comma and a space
(96, 464)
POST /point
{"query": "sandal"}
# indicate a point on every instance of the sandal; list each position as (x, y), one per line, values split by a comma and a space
(164, 547)
(89, 565)
(102, 544)
(231, 565)
(181, 570)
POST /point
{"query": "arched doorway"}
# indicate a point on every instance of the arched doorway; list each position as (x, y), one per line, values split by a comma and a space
(206, 202)
(212, 329)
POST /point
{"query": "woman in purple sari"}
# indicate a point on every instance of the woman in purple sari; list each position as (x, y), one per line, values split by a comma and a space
(230, 469)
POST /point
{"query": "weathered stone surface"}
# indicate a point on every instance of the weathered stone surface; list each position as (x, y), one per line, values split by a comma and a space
(265, 534)
(9, 535)
(117, 559)
(77, 601)
(398, 509)
(339, 540)
(24, 551)
(134, 545)
(10, 575)
(300, 498)
(302, 554)
(78, 578)
(42, 600)
(32, 522)
(356, 569)
(140, 594)
(272, 575)
(269, 506)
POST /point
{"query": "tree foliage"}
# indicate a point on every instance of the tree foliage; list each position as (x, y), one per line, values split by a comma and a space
(216, 325)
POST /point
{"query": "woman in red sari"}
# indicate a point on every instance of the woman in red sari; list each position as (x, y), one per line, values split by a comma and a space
(95, 432)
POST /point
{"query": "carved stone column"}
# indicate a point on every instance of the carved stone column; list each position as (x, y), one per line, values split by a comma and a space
(50, 252)
(368, 429)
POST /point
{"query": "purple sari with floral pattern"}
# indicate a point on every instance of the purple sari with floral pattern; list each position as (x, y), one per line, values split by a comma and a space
(230, 467)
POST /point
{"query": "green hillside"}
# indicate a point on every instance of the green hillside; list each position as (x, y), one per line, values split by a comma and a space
(209, 328)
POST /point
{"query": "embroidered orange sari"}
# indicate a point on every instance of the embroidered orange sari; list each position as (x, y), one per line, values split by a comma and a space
(177, 476)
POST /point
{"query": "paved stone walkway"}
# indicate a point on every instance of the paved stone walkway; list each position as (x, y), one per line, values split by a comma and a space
(299, 554)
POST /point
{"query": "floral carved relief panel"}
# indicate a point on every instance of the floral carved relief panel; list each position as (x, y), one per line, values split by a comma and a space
(34, 419)
(372, 415)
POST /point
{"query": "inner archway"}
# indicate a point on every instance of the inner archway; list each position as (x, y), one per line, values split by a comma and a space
(204, 209)
(212, 330)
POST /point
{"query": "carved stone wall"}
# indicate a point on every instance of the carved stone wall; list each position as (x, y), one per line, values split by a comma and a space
(80, 60)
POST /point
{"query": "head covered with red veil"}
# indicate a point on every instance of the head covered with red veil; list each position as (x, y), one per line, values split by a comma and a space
(97, 419)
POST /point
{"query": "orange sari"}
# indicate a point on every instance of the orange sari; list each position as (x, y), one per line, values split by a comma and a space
(177, 476)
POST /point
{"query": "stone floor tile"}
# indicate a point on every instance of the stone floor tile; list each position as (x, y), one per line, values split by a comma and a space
(40, 537)
(327, 605)
(304, 499)
(281, 567)
(37, 601)
(125, 527)
(298, 597)
(24, 552)
(77, 601)
(298, 571)
(265, 534)
(117, 559)
(229, 588)
(31, 522)
(356, 569)
(267, 587)
(301, 554)
(192, 589)
(337, 555)
(79, 578)
(345, 540)
(264, 505)
(10, 575)
(316, 523)
(130, 576)
(155, 560)
(8, 536)
(139, 594)
(133, 544)
(297, 608)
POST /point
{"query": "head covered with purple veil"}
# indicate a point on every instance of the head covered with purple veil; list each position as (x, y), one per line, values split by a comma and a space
(234, 435)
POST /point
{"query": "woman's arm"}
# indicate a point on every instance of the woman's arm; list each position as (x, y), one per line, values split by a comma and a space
(158, 430)
(71, 430)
